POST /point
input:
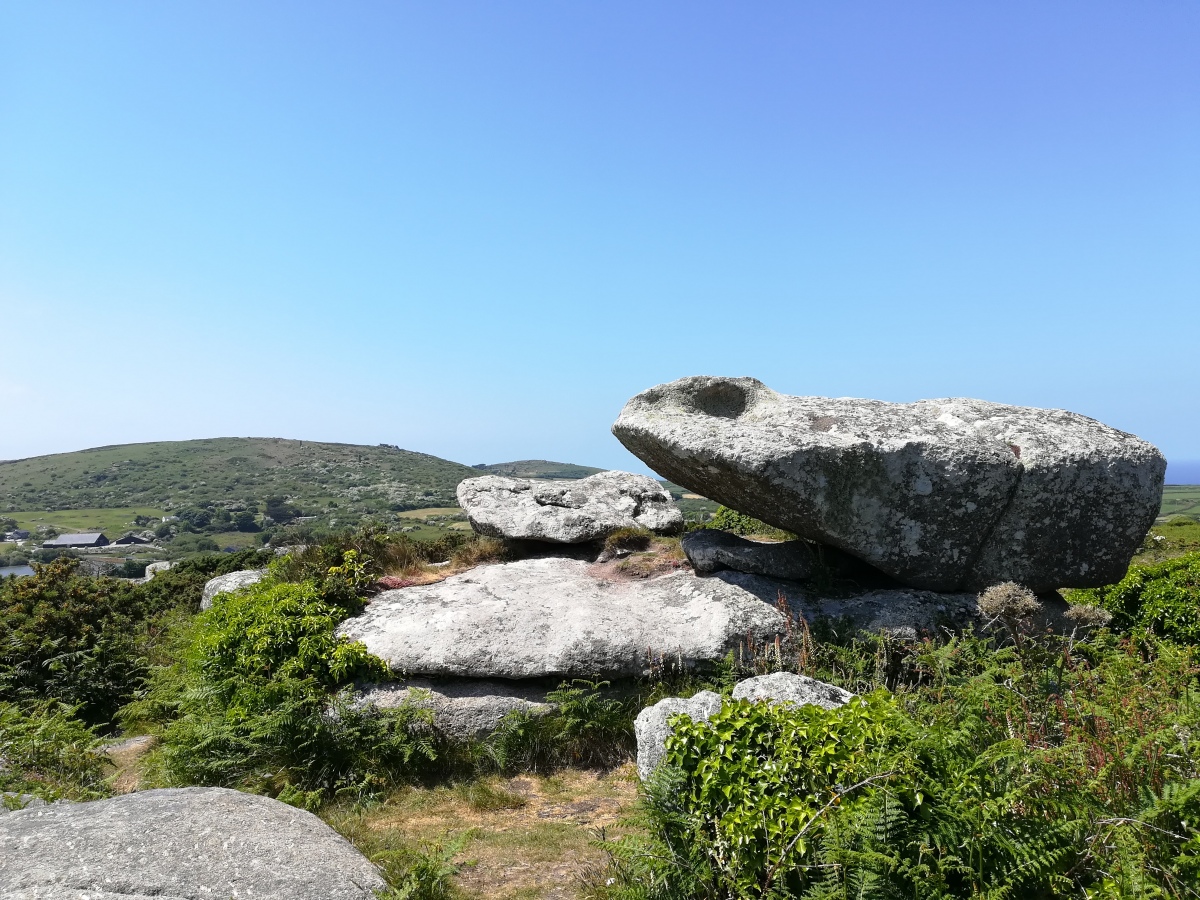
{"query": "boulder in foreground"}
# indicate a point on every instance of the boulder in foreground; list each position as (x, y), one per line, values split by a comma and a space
(567, 512)
(179, 844)
(939, 494)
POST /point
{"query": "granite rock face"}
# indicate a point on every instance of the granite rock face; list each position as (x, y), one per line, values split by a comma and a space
(787, 687)
(551, 617)
(652, 730)
(710, 550)
(461, 709)
(179, 844)
(567, 512)
(945, 495)
(225, 584)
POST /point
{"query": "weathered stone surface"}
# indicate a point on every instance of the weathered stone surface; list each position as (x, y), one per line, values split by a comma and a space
(651, 729)
(567, 512)
(787, 687)
(179, 844)
(461, 709)
(710, 550)
(940, 494)
(551, 616)
(224, 584)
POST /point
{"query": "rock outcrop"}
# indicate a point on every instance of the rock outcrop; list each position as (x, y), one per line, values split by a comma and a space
(225, 584)
(567, 512)
(552, 617)
(939, 494)
(710, 550)
(461, 709)
(179, 844)
(651, 729)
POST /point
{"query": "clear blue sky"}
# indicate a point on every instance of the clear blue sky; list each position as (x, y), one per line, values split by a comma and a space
(475, 229)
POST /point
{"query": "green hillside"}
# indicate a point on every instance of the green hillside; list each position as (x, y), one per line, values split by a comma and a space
(536, 468)
(1181, 499)
(232, 471)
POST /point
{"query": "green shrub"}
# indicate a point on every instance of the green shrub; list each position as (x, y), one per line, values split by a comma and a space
(585, 729)
(70, 638)
(1163, 598)
(726, 519)
(47, 752)
(1065, 768)
(254, 700)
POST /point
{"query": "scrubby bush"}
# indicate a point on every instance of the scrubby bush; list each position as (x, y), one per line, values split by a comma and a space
(253, 701)
(1162, 598)
(585, 728)
(1069, 771)
(45, 751)
(726, 519)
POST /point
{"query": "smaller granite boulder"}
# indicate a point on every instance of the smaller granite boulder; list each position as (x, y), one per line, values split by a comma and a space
(461, 709)
(567, 512)
(710, 550)
(179, 844)
(651, 727)
(785, 687)
(227, 584)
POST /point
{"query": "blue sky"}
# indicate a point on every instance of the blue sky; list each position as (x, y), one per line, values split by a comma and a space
(475, 229)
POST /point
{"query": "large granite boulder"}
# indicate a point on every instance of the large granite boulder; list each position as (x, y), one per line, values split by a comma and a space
(226, 584)
(940, 494)
(461, 709)
(179, 844)
(567, 512)
(553, 617)
(710, 550)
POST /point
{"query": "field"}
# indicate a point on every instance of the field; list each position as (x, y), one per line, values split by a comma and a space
(113, 522)
(1181, 499)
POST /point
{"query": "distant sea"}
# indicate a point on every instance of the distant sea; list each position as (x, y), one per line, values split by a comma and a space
(15, 570)
(1186, 472)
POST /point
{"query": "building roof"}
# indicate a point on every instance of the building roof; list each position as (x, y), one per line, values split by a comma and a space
(77, 540)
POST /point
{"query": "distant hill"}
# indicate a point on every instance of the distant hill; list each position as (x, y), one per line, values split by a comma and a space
(536, 468)
(172, 474)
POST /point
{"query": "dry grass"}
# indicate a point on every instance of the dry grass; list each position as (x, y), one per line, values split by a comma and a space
(527, 837)
(126, 757)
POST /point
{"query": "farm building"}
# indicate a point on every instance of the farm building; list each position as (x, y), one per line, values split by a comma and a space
(131, 539)
(65, 541)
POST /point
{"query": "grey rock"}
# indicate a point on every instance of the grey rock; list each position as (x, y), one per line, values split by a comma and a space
(226, 584)
(943, 495)
(154, 568)
(787, 687)
(710, 550)
(179, 844)
(461, 709)
(651, 728)
(567, 512)
(552, 616)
